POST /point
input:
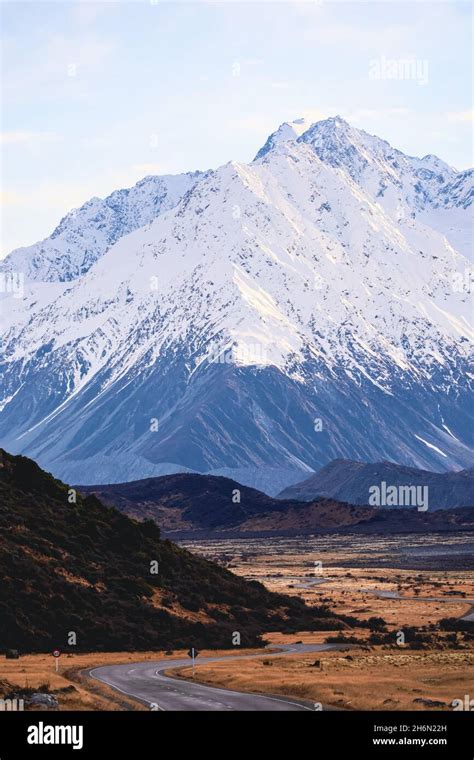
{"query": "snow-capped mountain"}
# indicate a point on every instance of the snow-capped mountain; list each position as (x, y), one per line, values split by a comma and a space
(286, 132)
(402, 185)
(425, 188)
(282, 314)
(86, 233)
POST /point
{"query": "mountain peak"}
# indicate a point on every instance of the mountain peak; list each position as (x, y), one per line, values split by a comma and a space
(252, 299)
(436, 164)
(298, 129)
(285, 132)
(333, 122)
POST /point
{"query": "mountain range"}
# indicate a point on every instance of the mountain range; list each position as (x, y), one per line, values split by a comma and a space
(351, 481)
(188, 506)
(255, 319)
(86, 233)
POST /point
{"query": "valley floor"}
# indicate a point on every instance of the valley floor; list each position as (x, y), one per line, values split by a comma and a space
(409, 582)
(379, 680)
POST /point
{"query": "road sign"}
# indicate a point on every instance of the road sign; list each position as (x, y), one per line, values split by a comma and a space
(56, 655)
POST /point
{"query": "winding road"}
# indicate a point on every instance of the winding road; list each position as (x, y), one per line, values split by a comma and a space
(382, 594)
(446, 599)
(147, 682)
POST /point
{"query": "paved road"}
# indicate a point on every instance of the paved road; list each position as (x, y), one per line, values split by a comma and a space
(446, 599)
(146, 681)
(309, 582)
(470, 616)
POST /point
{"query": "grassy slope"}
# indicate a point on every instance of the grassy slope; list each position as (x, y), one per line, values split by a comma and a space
(84, 567)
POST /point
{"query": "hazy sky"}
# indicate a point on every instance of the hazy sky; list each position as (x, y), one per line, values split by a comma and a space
(97, 95)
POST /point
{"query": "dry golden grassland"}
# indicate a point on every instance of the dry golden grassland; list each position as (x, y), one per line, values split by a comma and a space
(37, 671)
(386, 676)
(378, 680)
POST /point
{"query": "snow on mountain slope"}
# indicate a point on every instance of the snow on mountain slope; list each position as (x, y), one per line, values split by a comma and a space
(402, 185)
(84, 234)
(397, 181)
(273, 295)
(285, 132)
(451, 214)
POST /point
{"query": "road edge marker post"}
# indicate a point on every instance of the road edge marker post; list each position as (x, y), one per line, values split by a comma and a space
(193, 653)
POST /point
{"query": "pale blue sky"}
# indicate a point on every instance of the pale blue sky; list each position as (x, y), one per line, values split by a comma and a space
(97, 95)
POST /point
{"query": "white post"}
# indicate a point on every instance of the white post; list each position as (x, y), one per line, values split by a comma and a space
(57, 663)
